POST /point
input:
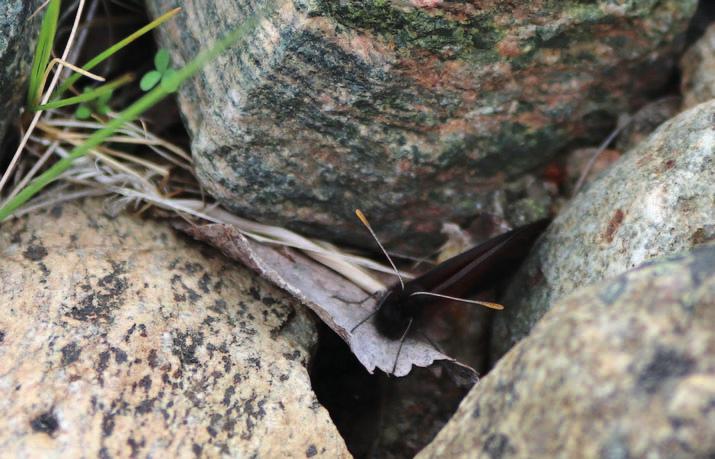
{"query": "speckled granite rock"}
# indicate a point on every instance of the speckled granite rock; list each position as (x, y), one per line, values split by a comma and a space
(415, 111)
(698, 70)
(622, 369)
(119, 339)
(18, 35)
(656, 200)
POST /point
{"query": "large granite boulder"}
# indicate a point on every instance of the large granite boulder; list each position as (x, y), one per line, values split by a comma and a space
(621, 369)
(657, 199)
(120, 339)
(418, 112)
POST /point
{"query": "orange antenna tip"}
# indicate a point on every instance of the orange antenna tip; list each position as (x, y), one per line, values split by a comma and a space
(362, 217)
(491, 305)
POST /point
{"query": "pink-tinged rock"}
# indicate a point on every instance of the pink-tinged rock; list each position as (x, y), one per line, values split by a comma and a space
(417, 112)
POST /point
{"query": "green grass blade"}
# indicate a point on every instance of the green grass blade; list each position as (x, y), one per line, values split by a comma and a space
(101, 57)
(43, 51)
(129, 114)
(92, 94)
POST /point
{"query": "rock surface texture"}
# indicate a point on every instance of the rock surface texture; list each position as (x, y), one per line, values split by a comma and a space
(119, 339)
(698, 70)
(622, 369)
(18, 35)
(415, 111)
(656, 200)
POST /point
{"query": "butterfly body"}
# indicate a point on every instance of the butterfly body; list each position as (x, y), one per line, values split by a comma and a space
(397, 307)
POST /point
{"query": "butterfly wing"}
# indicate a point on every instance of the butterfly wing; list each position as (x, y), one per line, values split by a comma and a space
(481, 266)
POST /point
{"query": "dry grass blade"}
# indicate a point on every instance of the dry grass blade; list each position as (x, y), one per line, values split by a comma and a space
(350, 266)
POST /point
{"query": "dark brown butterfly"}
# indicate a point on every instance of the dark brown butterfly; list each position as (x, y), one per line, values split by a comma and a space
(476, 270)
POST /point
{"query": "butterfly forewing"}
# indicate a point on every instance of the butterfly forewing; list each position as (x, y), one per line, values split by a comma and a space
(481, 266)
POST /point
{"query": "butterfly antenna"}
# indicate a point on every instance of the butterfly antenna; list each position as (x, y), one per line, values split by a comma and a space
(487, 304)
(364, 221)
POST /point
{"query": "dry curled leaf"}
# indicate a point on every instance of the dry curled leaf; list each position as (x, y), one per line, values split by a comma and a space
(332, 297)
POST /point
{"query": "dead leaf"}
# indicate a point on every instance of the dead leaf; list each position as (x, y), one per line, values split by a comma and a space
(330, 296)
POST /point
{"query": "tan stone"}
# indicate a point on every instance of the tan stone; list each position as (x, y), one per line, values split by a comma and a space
(120, 338)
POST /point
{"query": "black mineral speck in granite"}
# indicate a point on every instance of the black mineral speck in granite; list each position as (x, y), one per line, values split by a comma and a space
(46, 423)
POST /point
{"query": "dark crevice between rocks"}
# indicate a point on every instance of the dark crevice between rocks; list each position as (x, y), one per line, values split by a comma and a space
(8, 144)
(703, 17)
(347, 391)
(380, 416)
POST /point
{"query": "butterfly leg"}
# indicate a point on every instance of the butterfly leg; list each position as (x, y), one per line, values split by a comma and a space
(369, 316)
(402, 341)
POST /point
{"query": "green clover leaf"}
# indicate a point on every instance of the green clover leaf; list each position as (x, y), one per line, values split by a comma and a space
(162, 73)
(161, 60)
(149, 80)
